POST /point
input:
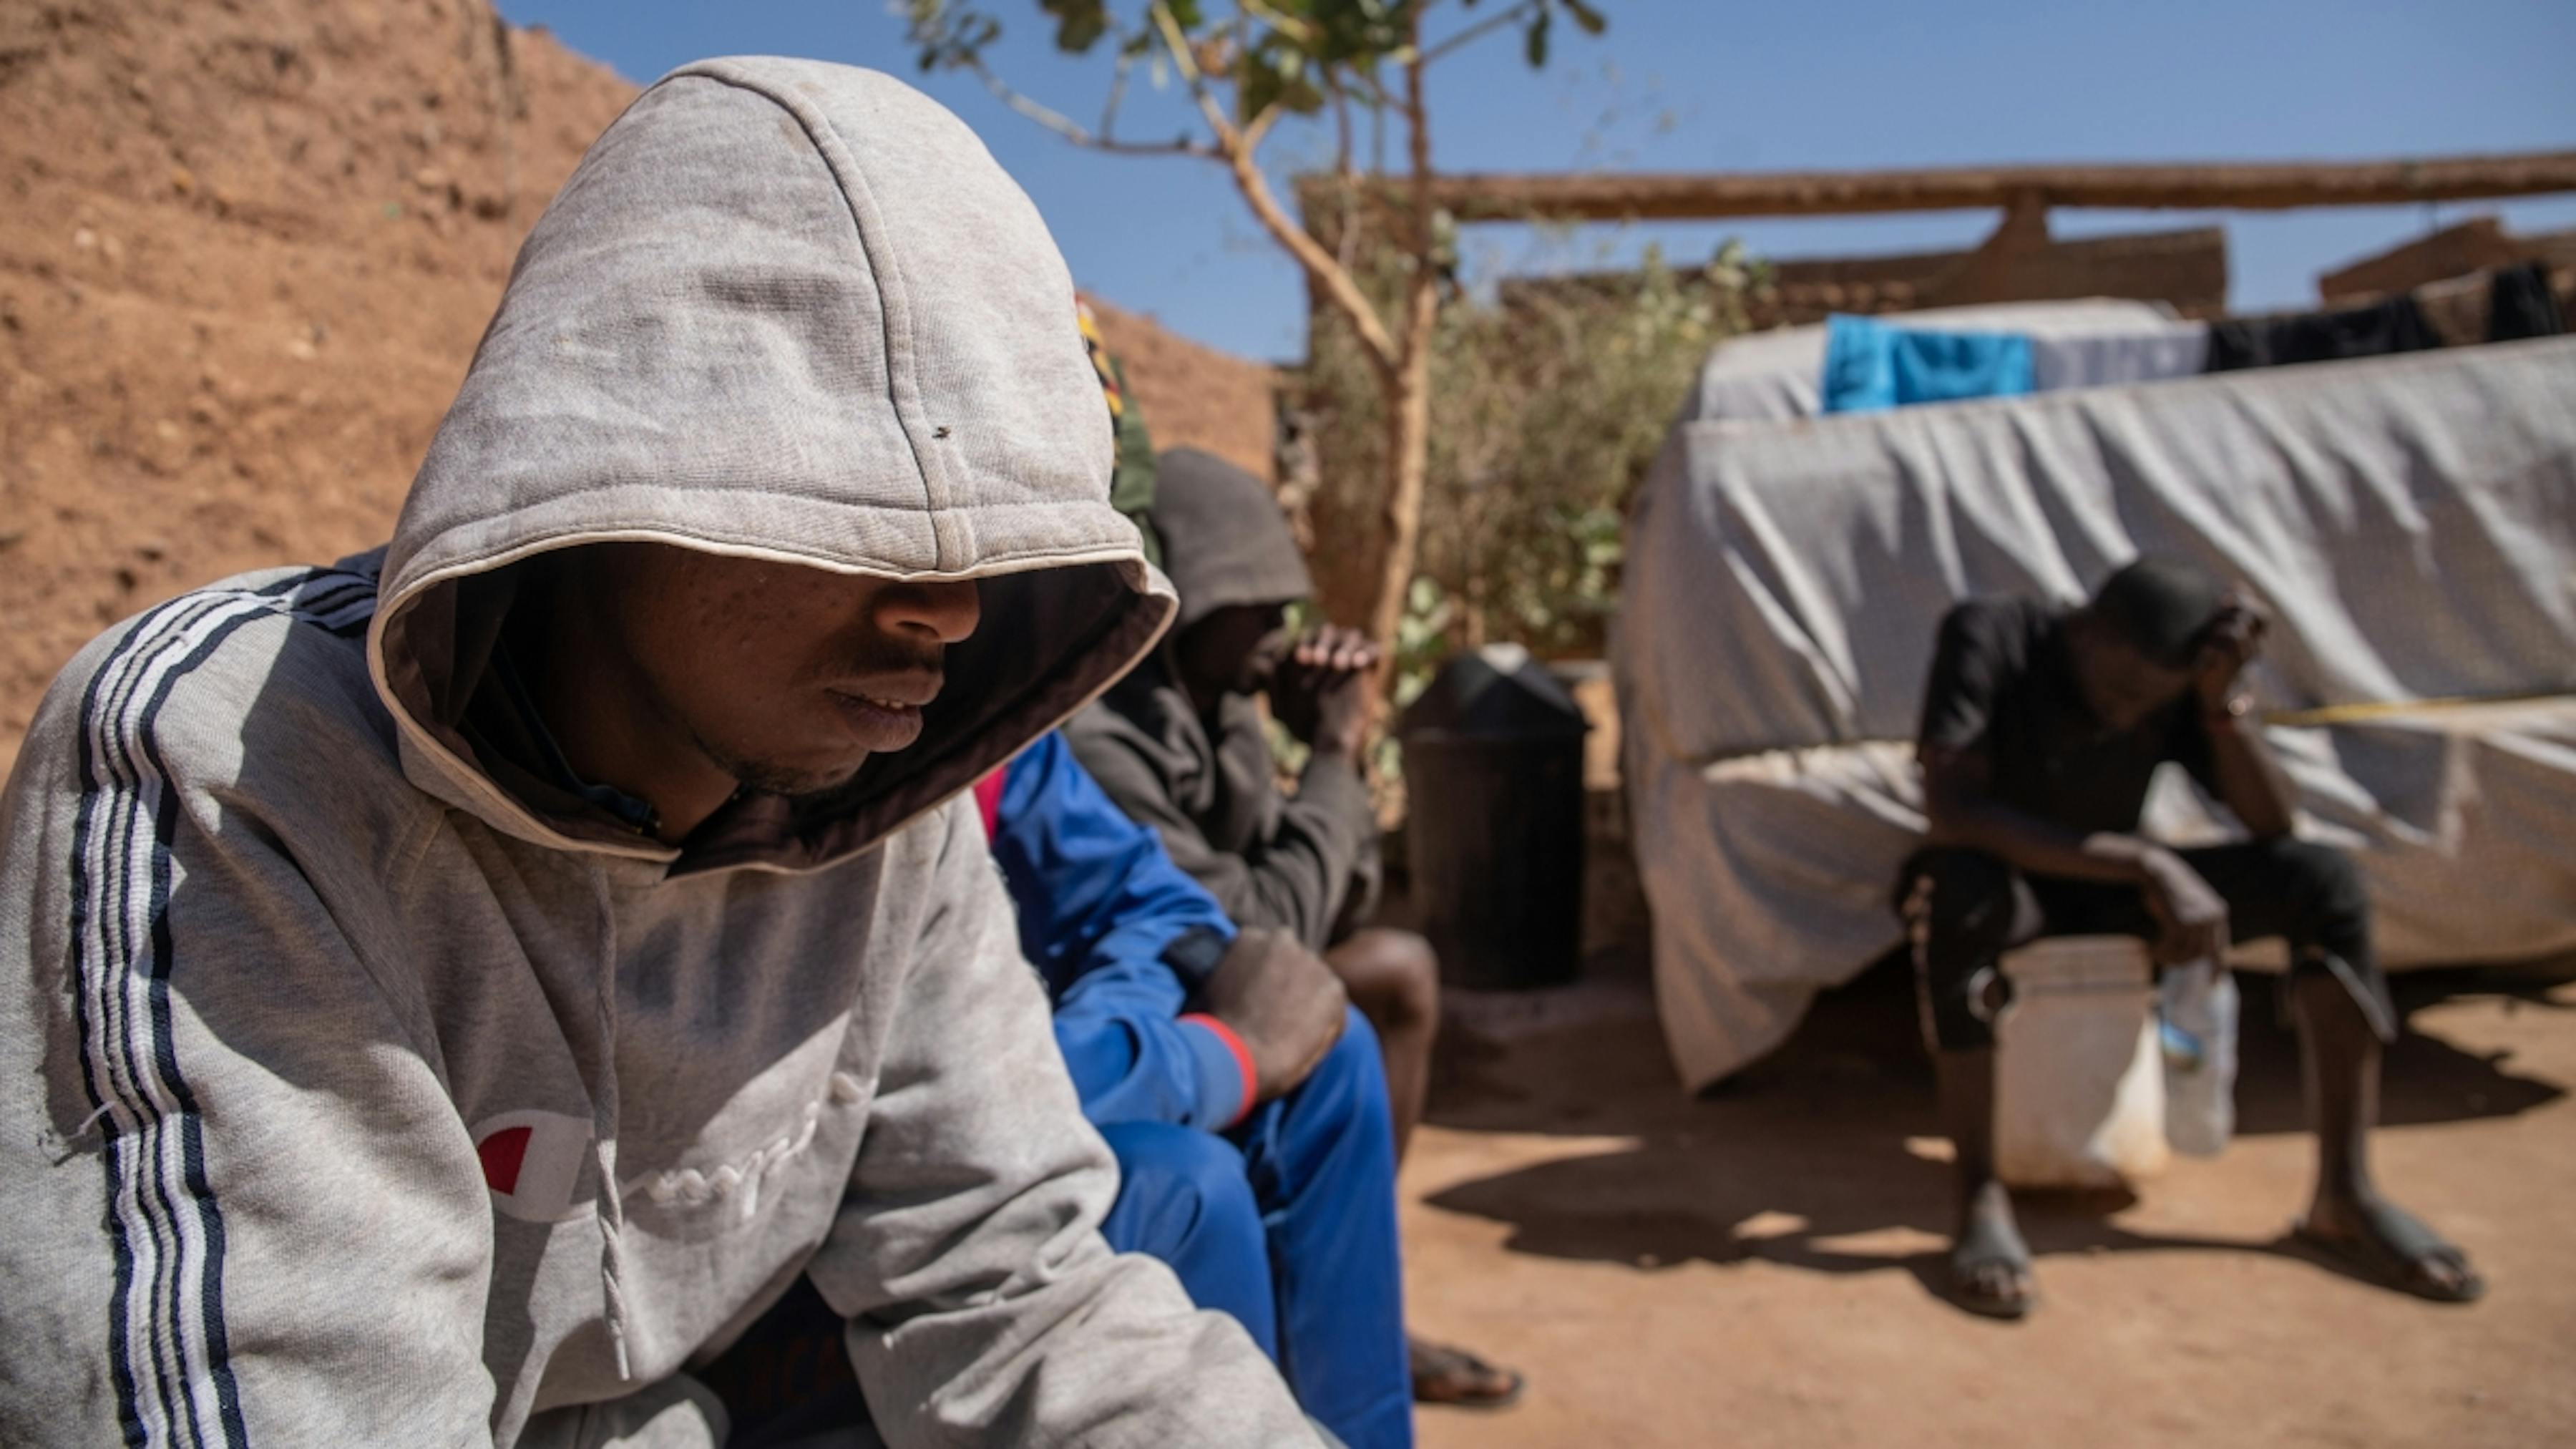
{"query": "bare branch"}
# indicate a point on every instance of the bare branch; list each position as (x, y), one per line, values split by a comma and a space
(1287, 25)
(1341, 125)
(1371, 89)
(1260, 127)
(1475, 32)
(1236, 148)
(1346, 236)
(1178, 43)
(1328, 273)
(1422, 292)
(1072, 130)
(1117, 93)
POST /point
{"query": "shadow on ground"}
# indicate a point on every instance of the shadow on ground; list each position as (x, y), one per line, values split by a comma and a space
(1833, 1138)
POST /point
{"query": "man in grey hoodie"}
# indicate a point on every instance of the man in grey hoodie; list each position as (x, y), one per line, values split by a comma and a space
(446, 997)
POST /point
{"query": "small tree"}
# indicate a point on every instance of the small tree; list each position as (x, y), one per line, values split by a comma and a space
(1245, 70)
(1548, 406)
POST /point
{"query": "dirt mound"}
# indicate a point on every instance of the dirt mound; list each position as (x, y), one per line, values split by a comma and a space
(246, 247)
(1194, 396)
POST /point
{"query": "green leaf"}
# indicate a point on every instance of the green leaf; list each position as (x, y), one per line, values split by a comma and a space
(1275, 72)
(1300, 95)
(1536, 38)
(1591, 20)
(1256, 86)
(1079, 23)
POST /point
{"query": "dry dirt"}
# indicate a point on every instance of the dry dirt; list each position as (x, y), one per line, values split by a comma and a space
(247, 248)
(1758, 1267)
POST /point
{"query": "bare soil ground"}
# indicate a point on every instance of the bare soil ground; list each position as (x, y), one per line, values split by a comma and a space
(246, 247)
(1762, 1266)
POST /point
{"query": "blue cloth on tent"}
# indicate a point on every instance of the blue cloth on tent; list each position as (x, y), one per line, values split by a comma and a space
(1870, 366)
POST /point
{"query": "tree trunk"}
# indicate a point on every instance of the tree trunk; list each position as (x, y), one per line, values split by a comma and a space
(1407, 388)
(1408, 460)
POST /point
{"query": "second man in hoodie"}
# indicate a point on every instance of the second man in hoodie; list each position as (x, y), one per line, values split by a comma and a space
(1180, 745)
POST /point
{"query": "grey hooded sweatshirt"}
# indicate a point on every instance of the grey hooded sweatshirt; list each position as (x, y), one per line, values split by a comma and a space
(349, 1098)
(1208, 785)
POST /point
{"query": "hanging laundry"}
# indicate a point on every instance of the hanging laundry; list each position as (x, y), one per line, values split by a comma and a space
(2148, 352)
(2520, 304)
(1870, 366)
(2394, 325)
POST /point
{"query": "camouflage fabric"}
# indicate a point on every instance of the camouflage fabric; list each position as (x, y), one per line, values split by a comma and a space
(1131, 488)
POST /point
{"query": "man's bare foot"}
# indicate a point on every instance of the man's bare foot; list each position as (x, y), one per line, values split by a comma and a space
(2385, 1243)
(1990, 1264)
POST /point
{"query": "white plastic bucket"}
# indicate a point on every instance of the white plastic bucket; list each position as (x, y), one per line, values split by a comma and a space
(2079, 1072)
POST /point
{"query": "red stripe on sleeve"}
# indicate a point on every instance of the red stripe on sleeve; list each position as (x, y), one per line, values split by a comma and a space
(1242, 1062)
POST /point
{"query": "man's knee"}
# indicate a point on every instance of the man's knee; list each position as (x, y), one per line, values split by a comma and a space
(2322, 881)
(1394, 976)
(1175, 1177)
(2329, 927)
(2325, 896)
(1958, 893)
(1958, 910)
(1346, 1094)
(1354, 1070)
(1347, 1089)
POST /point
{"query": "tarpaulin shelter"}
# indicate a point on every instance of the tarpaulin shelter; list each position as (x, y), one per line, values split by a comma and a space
(2410, 523)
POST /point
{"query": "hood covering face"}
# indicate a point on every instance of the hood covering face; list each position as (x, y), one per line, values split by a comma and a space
(793, 311)
(1224, 538)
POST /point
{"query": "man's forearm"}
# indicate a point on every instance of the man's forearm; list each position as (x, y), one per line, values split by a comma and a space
(2250, 778)
(2039, 847)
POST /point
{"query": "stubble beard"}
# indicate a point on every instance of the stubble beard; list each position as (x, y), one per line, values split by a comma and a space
(768, 777)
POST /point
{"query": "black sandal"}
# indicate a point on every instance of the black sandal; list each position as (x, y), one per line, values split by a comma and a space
(2395, 1255)
(1443, 1374)
(2011, 1308)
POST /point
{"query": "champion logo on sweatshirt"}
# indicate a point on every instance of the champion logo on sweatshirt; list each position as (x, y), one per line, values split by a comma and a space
(532, 1161)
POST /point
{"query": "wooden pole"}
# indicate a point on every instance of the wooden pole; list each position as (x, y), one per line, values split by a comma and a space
(2227, 186)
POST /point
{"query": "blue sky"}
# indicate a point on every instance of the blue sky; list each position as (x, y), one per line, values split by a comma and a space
(1679, 85)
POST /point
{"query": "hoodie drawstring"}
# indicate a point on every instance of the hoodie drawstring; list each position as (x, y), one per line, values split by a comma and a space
(608, 1205)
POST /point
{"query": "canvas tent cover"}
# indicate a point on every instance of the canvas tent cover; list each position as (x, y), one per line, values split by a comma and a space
(2409, 521)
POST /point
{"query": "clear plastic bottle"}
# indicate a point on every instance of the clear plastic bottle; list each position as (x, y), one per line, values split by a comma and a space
(2199, 1006)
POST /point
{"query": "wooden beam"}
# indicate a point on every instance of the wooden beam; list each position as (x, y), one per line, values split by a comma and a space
(2229, 186)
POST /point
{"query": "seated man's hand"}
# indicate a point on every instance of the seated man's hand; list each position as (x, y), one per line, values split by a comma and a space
(1283, 1001)
(1321, 690)
(2232, 643)
(2193, 915)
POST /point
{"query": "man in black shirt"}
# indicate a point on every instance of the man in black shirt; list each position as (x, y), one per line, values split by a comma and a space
(2041, 731)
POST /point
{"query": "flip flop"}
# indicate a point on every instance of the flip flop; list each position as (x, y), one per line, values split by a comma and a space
(2394, 1256)
(2010, 1309)
(1434, 1363)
